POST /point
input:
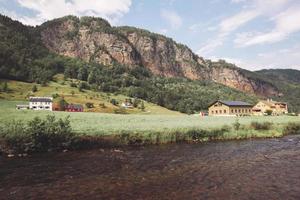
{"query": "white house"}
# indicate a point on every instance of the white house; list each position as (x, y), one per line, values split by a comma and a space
(40, 103)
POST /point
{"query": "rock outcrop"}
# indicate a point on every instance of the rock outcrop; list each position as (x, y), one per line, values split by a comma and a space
(94, 39)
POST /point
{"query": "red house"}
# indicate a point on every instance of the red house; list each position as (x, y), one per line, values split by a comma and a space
(74, 108)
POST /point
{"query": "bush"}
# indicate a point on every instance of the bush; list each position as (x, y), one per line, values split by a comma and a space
(269, 112)
(236, 125)
(38, 135)
(89, 105)
(50, 134)
(292, 129)
(114, 102)
(34, 88)
(72, 84)
(120, 111)
(261, 126)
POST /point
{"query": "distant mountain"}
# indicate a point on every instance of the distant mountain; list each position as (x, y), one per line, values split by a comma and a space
(84, 47)
(285, 75)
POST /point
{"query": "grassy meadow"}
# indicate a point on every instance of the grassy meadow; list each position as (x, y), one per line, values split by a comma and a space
(107, 124)
(20, 91)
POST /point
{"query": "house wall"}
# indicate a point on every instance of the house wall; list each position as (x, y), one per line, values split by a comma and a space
(219, 109)
(40, 106)
(277, 108)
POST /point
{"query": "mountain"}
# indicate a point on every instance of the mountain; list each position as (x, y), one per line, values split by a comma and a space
(125, 59)
(95, 40)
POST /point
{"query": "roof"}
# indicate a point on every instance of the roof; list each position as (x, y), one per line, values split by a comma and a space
(74, 106)
(40, 99)
(271, 102)
(233, 103)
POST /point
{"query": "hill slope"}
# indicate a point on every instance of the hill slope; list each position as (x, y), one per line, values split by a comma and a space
(288, 83)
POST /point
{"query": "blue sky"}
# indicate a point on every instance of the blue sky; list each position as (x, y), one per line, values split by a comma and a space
(253, 34)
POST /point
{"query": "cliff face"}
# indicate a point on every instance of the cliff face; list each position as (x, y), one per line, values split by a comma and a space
(236, 79)
(93, 39)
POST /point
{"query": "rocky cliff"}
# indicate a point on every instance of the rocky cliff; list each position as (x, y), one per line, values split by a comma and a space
(94, 39)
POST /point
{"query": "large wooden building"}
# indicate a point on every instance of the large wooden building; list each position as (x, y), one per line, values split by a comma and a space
(230, 108)
(276, 108)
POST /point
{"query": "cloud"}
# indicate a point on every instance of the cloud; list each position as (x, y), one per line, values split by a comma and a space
(234, 22)
(44, 10)
(251, 10)
(172, 18)
(286, 23)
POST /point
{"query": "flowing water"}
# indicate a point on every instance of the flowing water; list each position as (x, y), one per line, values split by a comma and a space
(254, 169)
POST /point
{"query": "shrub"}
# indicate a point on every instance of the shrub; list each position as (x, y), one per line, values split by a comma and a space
(292, 129)
(54, 96)
(34, 88)
(38, 135)
(89, 105)
(114, 102)
(102, 105)
(269, 112)
(236, 125)
(50, 134)
(72, 84)
(261, 126)
(120, 111)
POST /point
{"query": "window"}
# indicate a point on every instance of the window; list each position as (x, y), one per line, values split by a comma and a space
(220, 111)
(224, 111)
(231, 110)
(239, 110)
(212, 112)
(216, 112)
(235, 110)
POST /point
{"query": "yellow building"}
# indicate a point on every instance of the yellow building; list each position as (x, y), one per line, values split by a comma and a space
(230, 108)
(277, 108)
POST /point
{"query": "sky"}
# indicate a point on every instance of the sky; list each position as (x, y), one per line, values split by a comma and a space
(253, 34)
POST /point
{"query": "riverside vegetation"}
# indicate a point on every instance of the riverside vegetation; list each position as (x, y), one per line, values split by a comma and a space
(42, 132)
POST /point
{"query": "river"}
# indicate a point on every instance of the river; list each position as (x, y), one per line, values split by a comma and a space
(250, 169)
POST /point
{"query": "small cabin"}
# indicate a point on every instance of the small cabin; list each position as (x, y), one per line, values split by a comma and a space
(74, 108)
(229, 108)
(22, 107)
(40, 103)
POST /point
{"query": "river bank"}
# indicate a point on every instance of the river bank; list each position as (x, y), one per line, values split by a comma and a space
(19, 139)
(248, 169)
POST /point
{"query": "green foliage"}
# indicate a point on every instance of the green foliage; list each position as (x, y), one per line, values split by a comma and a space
(89, 105)
(54, 96)
(62, 103)
(38, 135)
(120, 110)
(269, 112)
(114, 102)
(292, 129)
(4, 87)
(261, 125)
(236, 124)
(72, 84)
(34, 88)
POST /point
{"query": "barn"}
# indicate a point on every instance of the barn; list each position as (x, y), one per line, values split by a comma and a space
(74, 108)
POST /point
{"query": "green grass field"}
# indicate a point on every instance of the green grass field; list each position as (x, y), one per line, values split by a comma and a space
(20, 91)
(106, 124)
